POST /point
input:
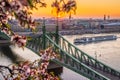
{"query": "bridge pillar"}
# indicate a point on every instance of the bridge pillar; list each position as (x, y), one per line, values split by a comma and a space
(56, 68)
(44, 33)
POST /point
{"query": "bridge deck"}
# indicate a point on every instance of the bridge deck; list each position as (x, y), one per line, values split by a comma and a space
(105, 73)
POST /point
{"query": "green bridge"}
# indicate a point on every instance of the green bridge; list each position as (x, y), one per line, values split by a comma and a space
(71, 57)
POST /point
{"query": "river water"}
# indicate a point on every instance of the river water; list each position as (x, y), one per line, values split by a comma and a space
(107, 52)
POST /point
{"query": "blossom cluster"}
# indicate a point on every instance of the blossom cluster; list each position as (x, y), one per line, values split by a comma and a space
(6, 31)
(19, 10)
(47, 54)
(36, 70)
(16, 39)
(19, 40)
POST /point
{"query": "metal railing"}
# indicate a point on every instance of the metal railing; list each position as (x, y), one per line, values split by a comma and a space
(72, 63)
(67, 60)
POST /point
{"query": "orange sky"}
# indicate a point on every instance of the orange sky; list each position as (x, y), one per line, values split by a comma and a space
(87, 9)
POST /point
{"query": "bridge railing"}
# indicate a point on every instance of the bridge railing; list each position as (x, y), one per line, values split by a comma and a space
(3, 35)
(35, 44)
(85, 58)
(71, 62)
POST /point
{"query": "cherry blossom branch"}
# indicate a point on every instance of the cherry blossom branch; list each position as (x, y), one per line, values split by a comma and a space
(34, 70)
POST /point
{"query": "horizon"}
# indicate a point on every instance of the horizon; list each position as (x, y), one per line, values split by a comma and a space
(48, 17)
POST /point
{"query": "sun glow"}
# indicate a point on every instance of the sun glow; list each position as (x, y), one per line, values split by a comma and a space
(85, 8)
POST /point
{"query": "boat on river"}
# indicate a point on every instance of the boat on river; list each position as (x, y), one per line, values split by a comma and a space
(94, 39)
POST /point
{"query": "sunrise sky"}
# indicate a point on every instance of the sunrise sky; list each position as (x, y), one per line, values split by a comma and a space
(86, 9)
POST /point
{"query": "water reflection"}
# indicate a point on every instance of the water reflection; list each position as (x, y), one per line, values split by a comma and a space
(107, 51)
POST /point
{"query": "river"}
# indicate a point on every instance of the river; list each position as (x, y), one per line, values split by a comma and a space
(107, 52)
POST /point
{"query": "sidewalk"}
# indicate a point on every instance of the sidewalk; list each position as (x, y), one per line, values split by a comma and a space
(25, 54)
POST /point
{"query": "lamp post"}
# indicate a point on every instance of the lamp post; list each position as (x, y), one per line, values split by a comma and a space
(95, 59)
(95, 55)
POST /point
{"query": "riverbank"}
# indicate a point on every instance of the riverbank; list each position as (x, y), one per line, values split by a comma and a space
(73, 32)
(88, 31)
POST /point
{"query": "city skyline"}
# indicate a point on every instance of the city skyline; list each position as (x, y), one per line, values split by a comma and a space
(85, 9)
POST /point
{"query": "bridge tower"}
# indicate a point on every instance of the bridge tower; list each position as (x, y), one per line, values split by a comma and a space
(44, 33)
(57, 30)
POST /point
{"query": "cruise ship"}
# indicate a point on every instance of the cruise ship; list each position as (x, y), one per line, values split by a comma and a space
(94, 39)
